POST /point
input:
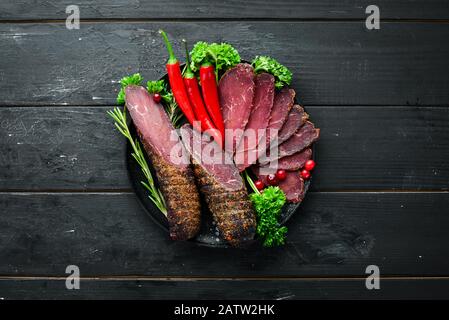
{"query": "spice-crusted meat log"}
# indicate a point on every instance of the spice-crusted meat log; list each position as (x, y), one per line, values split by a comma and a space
(222, 187)
(173, 169)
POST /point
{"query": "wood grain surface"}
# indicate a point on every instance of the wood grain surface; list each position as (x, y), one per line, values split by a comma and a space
(334, 63)
(288, 289)
(361, 148)
(333, 234)
(379, 194)
(224, 9)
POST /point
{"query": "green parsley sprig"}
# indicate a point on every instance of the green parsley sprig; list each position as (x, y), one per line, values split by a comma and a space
(282, 74)
(125, 81)
(268, 205)
(221, 55)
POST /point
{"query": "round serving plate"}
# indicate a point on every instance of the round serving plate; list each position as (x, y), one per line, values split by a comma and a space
(209, 234)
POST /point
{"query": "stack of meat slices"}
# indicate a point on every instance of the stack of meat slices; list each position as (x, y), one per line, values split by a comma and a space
(271, 131)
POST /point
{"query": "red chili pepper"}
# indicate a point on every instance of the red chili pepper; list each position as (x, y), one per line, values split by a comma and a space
(210, 95)
(176, 81)
(194, 94)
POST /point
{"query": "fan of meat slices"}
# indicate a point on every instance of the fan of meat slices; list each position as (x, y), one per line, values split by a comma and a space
(219, 140)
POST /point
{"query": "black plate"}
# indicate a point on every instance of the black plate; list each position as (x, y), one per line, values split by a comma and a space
(208, 235)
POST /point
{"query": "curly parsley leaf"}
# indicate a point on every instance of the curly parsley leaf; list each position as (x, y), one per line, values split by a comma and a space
(156, 86)
(221, 55)
(282, 74)
(198, 55)
(133, 79)
(268, 206)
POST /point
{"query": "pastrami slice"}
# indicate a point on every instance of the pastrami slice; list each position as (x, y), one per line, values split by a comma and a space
(261, 109)
(302, 138)
(292, 163)
(282, 104)
(259, 118)
(236, 92)
(295, 119)
(293, 185)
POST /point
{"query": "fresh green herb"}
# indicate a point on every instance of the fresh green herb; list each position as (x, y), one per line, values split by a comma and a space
(133, 79)
(173, 111)
(268, 205)
(198, 55)
(156, 86)
(155, 194)
(282, 75)
(221, 55)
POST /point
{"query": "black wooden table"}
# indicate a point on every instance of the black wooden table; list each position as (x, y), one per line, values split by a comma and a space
(380, 192)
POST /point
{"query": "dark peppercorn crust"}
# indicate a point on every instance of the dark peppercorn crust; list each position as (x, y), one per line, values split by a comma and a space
(181, 196)
(231, 209)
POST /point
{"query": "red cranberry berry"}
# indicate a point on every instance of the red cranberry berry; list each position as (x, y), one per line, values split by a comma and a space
(309, 165)
(157, 97)
(259, 185)
(272, 180)
(305, 174)
(281, 175)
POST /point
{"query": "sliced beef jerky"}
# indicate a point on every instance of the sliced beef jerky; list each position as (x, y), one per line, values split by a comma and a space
(293, 185)
(246, 153)
(296, 118)
(283, 102)
(236, 92)
(302, 138)
(294, 162)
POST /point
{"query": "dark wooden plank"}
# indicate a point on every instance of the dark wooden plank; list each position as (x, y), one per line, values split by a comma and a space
(102, 9)
(381, 148)
(60, 148)
(226, 289)
(364, 148)
(334, 63)
(334, 234)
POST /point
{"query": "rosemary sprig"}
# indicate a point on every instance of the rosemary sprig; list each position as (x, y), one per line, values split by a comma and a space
(174, 113)
(155, 194)
(250, 182)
